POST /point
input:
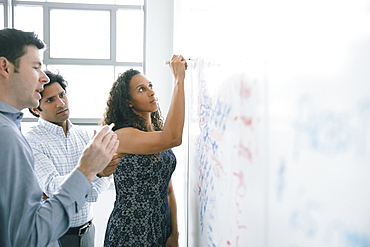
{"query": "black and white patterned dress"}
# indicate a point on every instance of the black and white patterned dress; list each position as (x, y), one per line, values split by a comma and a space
(141, 213)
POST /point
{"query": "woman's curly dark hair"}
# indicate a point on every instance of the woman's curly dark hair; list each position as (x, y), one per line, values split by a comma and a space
(118, 110)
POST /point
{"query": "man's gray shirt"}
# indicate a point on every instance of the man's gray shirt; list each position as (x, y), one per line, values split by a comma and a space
(24, 219)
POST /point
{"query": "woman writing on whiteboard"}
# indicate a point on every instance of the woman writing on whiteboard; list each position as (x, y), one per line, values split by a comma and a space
(144, 212)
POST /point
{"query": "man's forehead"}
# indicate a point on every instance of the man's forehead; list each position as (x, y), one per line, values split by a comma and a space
(33, 54)
(53, 90)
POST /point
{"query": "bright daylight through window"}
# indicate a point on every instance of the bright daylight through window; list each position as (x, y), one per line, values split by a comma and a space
(78, 34)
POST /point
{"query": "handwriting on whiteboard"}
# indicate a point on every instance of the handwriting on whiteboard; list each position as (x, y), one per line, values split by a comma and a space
(226, 145)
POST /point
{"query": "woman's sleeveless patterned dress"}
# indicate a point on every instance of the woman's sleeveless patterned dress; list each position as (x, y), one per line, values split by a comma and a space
(141, 213)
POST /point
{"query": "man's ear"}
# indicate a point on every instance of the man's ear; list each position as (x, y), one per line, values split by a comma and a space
(35, 110)
(4, 67)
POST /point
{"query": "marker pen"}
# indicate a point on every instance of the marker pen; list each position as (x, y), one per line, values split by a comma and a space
(168, 61)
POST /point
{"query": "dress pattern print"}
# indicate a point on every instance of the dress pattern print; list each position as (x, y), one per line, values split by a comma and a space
(141, 213)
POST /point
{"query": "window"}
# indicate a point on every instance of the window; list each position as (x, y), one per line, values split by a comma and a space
(2, 20)
(89, 42)
(3, 13)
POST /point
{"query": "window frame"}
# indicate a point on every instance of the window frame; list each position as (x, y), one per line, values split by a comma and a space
(112, 61)
(6, 9)
(48, 6)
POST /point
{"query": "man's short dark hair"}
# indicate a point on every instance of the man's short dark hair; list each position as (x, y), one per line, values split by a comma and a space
(13, 44)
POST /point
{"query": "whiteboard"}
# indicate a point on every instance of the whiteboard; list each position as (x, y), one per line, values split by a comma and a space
(278, 112)
(225, 147)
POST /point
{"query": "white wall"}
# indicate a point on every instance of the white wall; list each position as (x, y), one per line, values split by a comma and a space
(159, 23)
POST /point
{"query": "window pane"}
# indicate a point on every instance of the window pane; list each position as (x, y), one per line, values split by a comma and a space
(79, 34)
(29, 18)
(121, 2)
(88, 88)
(2, 16)
(84, 1)
(121, 69)
(130, 35)
(26, 126)
(129, 2)
(27, 114)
